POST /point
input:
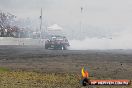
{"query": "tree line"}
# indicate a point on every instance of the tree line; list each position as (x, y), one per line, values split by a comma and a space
(9, 26)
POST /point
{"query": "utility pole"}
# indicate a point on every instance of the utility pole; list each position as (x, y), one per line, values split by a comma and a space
(81, 22)
(41, 23)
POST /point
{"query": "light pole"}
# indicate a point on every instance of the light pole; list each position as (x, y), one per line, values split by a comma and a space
(81, 22)
(41, 24)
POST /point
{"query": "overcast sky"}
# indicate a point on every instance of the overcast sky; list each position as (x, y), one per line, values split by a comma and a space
(98, 14)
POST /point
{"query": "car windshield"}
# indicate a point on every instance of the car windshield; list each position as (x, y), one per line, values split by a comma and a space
(57, 38)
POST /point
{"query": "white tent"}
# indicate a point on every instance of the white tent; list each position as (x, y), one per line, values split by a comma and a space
(55, 27)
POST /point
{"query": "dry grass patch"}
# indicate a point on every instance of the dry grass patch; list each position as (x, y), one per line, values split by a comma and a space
(43, 80)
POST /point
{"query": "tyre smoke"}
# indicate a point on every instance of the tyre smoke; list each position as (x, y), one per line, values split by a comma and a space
(120, 40)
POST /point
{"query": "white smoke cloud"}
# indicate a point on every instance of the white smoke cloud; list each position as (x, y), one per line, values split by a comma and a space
(120, 40)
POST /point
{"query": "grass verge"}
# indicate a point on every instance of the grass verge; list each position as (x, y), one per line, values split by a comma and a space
(10, 79)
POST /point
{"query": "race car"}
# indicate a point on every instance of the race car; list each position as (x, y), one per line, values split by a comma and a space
(57, 42)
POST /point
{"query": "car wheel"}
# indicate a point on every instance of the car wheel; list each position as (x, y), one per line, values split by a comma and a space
(46, 47)
(62, 47)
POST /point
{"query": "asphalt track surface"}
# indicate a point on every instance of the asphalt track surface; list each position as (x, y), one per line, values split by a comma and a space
(115, 64)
